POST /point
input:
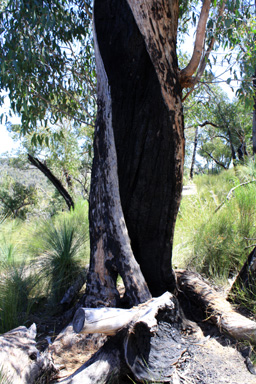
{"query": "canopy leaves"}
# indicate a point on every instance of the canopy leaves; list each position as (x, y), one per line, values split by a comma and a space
(46, 61)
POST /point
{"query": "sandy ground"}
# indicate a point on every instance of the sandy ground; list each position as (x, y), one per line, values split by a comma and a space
(208, 359)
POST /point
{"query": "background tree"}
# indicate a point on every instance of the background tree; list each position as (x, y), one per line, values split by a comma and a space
(228, 136)
(223, 129)
(16, 199)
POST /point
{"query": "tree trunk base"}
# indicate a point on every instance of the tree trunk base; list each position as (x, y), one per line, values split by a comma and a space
(160, 345)
(148, 348)
(155, 344)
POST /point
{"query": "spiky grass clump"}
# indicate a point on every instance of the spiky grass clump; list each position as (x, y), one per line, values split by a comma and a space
(16, 289)
(60, 258)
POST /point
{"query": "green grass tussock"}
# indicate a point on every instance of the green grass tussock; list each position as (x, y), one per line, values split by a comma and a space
(60, 257)
(16, 289)
(214, 234)
(40, 259)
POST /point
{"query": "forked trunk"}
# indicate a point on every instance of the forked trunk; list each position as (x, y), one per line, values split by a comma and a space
(139, 149)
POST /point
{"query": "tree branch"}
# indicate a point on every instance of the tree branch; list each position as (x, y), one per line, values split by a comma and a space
(186, 73)
(216, 161)
(231, 192)
(87, 9)
(56, 182)
(186, 79)
(208, 123)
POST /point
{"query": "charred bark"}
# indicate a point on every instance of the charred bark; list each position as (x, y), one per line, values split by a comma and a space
(194, 154)
(56, 182)
(246, 279)
(139, 57)
(111, 252)
(148, 347)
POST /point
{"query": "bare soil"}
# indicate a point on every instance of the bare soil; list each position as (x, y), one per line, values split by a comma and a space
(211, 362)
(209, 357)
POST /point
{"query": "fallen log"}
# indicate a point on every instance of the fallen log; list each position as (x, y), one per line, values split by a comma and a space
(102, 320)
(216, 307)
(148, 342)
(20, 360)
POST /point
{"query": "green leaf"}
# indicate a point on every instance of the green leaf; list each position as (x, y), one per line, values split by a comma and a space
(228, 22)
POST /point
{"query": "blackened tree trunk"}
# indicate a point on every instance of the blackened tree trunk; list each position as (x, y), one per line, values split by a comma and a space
(56, 182)
(139, 149)
(233, 152)
(245, 280)
(194, 154)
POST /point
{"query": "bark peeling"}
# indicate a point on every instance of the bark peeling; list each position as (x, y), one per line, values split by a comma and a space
(110, 244)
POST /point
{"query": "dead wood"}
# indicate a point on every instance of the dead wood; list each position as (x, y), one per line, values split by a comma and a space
(103, 367)
(230, 194)
(20, 361)
(73, 291)
(148, 346)
(56, 182)
(216, 307)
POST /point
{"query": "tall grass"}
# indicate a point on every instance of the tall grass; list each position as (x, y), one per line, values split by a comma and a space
(40, 259)
(60, 257)
(16, 289)
(217, 243)
(61, 246)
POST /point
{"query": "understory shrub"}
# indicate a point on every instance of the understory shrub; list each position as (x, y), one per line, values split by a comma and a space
(60, 261)
(39, 261)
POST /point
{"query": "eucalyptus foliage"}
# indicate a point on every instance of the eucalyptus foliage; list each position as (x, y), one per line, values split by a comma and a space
(46, 63)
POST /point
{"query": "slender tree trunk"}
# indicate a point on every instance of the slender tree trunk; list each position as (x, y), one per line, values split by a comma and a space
(233, 152)
(137, 172)
(245, 281)
(254, 115)
(194, 154)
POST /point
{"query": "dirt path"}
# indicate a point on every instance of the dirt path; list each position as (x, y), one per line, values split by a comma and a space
(189, 189)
